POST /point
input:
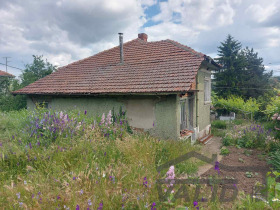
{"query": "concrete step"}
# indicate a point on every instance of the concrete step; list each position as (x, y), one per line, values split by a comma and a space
(206, 139)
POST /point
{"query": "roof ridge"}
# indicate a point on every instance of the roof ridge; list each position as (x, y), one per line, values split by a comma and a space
(79, 61)
(185, 47)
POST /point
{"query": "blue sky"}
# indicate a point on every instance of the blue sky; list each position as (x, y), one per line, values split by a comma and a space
(66, 31)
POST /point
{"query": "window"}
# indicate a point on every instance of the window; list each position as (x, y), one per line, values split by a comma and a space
(207, 90)
(43, 104)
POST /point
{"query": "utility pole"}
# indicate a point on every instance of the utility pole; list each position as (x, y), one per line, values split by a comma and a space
(6, 58)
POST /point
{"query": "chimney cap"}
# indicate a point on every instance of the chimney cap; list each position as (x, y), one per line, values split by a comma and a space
(143, 36)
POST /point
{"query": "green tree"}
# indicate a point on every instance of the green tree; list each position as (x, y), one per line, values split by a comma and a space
(257, 81)
(230, 77)
(243, 73)
(32, 72)
(35, 71)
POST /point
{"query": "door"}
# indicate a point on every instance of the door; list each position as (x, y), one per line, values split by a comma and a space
(183, 124)
(191, 104)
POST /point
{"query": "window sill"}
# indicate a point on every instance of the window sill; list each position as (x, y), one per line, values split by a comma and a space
(207, 102)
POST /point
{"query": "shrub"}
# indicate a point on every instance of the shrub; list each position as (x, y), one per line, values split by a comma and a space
(274, 160)
(219, 124)
(236, 104)
(224, 151)
(227, 141)
(237, 122)
(253, 136)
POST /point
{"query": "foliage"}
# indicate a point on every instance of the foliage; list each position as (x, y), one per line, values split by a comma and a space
(242, 74)
(5, 83)
(64, 174)
(253, 136)
(274, 160)
(32, 72)
(224, 151)
(273, 107)
(219, 124)
(230, 77)
(236, 104)
(273, 189)
(227, 141)
(35, 71)
(257, 81)
(9, 102)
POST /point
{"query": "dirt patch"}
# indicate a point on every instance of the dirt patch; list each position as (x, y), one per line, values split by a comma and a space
(212, 147)
(240, 158)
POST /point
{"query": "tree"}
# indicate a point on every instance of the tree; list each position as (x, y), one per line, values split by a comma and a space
(230, 78)
(243, 73)
(35, 71)
(257, 81)
(32, 72)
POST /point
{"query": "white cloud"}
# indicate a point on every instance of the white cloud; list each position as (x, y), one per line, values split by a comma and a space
(65, 31)
(197, 14)
(260, 13)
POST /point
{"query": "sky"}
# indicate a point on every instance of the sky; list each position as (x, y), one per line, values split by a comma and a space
(64, 31)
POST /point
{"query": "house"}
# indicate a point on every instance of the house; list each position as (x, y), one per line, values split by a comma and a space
(5, 79)
(5, 74)
(164, 86)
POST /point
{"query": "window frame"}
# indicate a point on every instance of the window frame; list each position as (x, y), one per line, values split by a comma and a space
(207, 90)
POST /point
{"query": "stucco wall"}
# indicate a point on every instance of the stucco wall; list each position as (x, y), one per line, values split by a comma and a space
(203, 108)
(158, 115)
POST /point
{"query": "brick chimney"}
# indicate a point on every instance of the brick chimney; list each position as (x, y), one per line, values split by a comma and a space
(143, 36)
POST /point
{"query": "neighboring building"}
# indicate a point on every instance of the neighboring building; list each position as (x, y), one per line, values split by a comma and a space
(164, 86)
(5, 74)
(5, 79)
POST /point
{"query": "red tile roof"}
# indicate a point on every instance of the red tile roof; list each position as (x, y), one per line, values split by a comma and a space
(5, 74)
(149, 67)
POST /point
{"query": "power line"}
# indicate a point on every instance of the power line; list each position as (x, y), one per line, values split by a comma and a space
(11, 66)
(236, 88)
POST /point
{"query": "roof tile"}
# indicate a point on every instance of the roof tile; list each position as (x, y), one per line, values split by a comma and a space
(149, 67)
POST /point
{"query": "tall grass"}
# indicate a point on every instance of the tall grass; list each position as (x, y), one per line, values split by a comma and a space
(89, 169)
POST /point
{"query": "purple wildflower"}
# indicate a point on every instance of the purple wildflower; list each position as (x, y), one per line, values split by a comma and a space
(58, 197)
(85, 112)
(74, 178)
(89, 202)
(145, 182)
(153, 206)
(77, 207)
(18, 195)
(100, 206)
(195, 203)
(105, 154)
(217, 168)
(30, 146)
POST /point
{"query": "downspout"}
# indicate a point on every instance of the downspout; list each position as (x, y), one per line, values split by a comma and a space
(196, 102)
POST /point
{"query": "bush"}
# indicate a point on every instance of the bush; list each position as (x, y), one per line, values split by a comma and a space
(253, 136)
(219, 124)
(237, 122)
(236, 104)
(227, 141)
(274, 160)
(224, 151)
